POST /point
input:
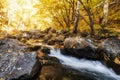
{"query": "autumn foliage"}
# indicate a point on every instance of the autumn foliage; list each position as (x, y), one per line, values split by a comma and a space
(91, 15)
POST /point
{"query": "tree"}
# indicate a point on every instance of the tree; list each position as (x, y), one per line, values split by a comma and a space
(105, 14)
(76, 17)
(62, 12)
(87, 8)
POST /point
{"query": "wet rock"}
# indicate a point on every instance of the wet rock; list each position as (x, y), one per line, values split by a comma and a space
(110, 50)
(57, 72)
(23, 77)
(79, 47)
(51, 72)
(52, 69)
(113, 65)
(14, 61)
(35, 70)
(111, 47)
(71, 74)
(14, 65)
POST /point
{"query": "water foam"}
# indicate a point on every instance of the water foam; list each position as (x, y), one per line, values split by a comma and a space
(93, 67)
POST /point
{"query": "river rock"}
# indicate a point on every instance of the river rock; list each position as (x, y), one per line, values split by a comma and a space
(14, 61)
(47, 37)
(80, 47)
(111, 53)
(111, 47)
(9, 45)
(56, 39)
(52, 69)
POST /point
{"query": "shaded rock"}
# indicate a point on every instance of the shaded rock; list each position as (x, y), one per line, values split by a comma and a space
(33, 34)
(10, 45)
(55, 39)
(16, 63)
(47, 37)
(79, 47)
(52, 41)
(40, 54)
(24, 77)
(51, 72)
(110, 50)
(113, 65)
(84, 33)
(111, 47)
(35, 70)
(52, 69)
(50, 38)
(45, 50)
(71, 74)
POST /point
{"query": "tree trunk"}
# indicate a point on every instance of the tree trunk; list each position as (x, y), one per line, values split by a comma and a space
(91, 24)
(92, 28)
(75, 30)
(105, 14)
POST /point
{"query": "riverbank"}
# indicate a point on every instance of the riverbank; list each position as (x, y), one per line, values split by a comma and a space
(31, 49)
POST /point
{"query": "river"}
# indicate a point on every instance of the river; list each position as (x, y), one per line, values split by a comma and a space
(92, 68)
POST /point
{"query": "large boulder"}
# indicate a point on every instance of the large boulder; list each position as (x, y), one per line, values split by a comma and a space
(15, 62)
(111, 47)
(80, 47)
(111, 53)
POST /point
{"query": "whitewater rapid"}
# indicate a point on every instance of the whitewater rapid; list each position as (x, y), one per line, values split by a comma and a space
(95, 68)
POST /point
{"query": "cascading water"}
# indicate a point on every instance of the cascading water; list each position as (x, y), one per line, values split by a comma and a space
(94, 68)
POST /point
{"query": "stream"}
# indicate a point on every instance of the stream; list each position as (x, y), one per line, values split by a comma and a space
(94, 69)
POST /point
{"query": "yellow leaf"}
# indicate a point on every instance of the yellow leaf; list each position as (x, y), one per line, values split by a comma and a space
(9, 50)
(117, 61)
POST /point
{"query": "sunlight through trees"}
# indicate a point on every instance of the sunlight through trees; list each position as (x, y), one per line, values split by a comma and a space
(41, 14)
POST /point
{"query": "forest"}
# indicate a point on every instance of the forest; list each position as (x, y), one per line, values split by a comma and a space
(59, 39)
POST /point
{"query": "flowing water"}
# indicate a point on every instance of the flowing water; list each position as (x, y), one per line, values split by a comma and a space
(93, 68)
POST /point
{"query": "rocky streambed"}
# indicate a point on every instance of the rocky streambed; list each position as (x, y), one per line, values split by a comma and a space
(23, 59)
